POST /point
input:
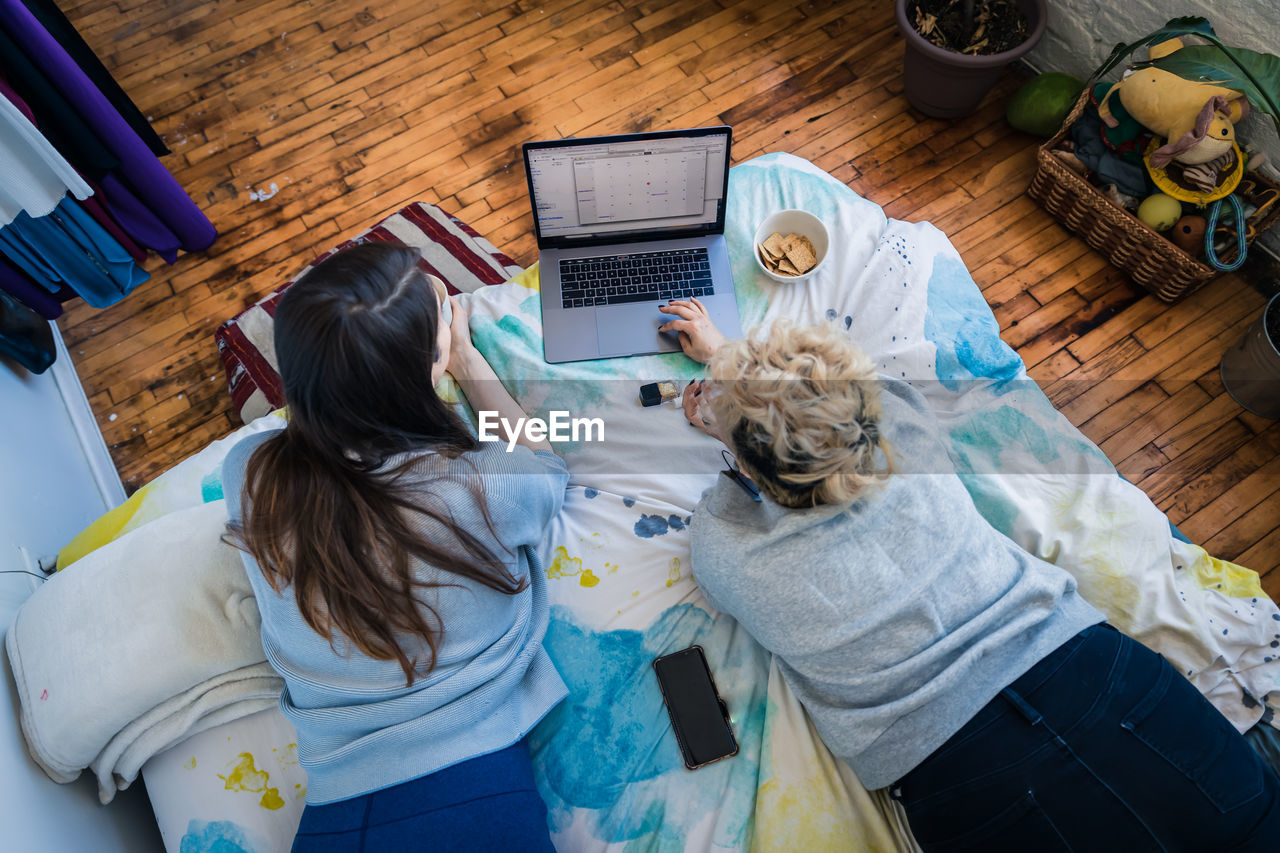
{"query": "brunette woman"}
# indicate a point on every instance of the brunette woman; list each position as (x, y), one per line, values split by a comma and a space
(395, 566)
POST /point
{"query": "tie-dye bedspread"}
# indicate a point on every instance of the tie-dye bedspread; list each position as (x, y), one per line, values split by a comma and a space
(617, 557)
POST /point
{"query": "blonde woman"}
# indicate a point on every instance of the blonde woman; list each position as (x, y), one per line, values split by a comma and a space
(933, 654)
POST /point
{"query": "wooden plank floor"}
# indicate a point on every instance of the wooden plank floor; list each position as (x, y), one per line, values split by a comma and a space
(293, 124)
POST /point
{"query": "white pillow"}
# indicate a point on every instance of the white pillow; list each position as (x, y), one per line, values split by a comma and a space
(136, 646)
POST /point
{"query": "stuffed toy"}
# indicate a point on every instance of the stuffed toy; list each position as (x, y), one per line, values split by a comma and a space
(1197, 120)
(1122, 133)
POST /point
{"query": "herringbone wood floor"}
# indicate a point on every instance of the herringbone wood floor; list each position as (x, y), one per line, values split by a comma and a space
(295, 123)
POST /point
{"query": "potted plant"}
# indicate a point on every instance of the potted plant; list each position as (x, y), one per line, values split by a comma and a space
(1251, 369)
(949, 64)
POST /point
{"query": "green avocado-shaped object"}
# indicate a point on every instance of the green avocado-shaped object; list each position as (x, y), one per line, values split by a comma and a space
(1040, 106)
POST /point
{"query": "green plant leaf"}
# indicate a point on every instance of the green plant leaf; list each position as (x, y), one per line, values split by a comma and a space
(1255, 74)
(1192, 25)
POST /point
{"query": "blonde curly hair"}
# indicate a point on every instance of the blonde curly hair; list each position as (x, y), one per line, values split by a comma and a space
(801, 410)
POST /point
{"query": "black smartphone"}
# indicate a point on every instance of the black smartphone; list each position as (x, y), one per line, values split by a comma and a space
(698, 714)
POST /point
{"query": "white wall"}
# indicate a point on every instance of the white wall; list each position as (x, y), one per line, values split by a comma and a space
(1082, 32)
(55, 477)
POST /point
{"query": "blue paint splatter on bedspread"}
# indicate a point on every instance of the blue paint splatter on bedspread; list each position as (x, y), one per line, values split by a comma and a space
(650, 526)
(217, 836)
(959, 323)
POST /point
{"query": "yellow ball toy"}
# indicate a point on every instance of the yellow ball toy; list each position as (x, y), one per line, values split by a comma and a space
(1160, 211)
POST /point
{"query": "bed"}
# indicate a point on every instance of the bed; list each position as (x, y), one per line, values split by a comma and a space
(622, 593)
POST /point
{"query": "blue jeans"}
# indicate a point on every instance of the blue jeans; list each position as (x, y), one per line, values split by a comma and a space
(489, 803)
(1100, 746)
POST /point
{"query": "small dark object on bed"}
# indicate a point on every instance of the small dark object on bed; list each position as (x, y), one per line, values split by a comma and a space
(658, 392)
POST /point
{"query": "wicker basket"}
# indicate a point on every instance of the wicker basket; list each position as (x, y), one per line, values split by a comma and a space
(1123, 239)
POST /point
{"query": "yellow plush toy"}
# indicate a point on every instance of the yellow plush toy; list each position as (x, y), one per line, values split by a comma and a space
(1197, 120)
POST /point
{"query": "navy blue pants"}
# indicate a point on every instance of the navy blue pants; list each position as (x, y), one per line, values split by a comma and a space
(488, 803)
(1101, 746)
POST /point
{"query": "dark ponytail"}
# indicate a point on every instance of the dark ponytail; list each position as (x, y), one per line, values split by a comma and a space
(355, 341)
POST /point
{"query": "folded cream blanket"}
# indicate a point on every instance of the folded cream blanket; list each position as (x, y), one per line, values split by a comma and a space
(137, 646)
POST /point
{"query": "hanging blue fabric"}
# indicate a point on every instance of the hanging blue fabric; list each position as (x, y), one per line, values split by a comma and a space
(69, 247)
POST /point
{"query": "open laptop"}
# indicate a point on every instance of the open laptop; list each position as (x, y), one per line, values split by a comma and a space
(624, 224)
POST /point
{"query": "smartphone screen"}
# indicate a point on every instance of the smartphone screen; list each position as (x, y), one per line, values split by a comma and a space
(698, 716)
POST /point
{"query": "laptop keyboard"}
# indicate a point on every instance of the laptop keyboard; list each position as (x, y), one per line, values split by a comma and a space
(648, 277)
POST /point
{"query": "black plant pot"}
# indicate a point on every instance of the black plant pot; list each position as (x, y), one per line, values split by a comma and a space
(946, 84)
(1251, 369)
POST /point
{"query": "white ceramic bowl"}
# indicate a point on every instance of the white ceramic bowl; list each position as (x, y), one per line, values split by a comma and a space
(792, 222)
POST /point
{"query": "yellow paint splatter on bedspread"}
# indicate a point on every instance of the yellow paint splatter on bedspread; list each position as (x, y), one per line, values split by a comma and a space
(243, 776)
(288, 755)
(564, 566)
(807, 800)
(1227, 578)
(796, 820)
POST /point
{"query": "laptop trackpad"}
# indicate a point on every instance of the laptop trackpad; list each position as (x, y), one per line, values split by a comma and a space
(633, 330)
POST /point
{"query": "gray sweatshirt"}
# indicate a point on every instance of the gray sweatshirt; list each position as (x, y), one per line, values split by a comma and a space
(896, 618)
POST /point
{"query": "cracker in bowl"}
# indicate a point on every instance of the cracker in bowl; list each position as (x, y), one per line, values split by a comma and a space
(789, 255)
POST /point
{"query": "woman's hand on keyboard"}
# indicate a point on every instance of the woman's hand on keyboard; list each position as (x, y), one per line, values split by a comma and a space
(699, 337)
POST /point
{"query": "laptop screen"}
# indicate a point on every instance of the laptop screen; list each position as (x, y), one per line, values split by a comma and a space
(643, 186)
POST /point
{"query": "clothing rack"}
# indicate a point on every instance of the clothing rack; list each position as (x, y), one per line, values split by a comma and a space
(84, 197)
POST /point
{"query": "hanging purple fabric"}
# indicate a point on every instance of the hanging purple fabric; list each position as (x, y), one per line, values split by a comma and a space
(15, 282)
(136, 218)
(56, 117)
(94, 206)
(56, 24)
(141, 170)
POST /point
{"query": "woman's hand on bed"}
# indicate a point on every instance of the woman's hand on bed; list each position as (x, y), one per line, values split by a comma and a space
(476, 378)
(697, 409)
(699, 337)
